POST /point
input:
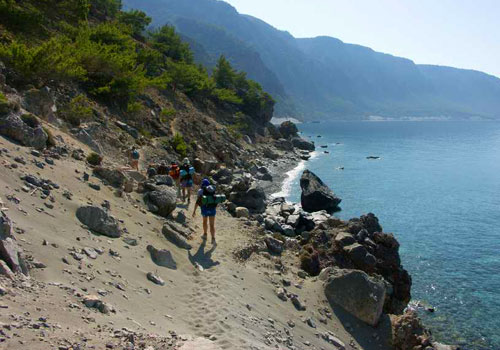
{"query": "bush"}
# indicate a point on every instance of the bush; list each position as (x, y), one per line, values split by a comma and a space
(4, 104)
(30, 120)
(77, 111)
(179, 145)
(94, 159)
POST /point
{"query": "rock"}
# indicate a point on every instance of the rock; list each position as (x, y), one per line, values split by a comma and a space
(302, 144)
(90, 252)
(162, 201)
(281, 294)
(316, 195)
(39, 102)
(296, 302)
(98, 220)
(223, 176)
(10, 253)
(173, 235)
(93, 301)
(330, 338)
(5, 226)
(6, 271)
(3, 290)
(242, 212)
(344, 239)
(159, 180)
(288, 230)
(181, 218)
(288, 129)
(162, 257)
(284, 145)
(273, 245)
(408, 332)
(15, 128)
(254, 199)
(127, 128)
(370, 223)
(114, 177)
(357, 293)
(155, 279)
(360, 256)
(199, 344)
(310, 322)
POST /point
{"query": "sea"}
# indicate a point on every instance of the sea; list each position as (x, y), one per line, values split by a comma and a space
(436, 186)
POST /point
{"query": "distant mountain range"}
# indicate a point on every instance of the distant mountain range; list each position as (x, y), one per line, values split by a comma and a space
(324, 78)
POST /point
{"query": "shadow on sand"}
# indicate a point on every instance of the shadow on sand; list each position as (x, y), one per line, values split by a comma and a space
(363, 333)
(203, 258)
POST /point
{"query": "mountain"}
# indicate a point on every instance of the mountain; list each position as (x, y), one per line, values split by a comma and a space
(319, 78)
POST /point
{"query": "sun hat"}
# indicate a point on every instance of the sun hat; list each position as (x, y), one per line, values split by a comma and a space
(186, 161)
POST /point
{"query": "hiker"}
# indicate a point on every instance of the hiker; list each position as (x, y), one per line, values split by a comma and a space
(207, 200)
(134, 158)
(186, 175)
(175, 173)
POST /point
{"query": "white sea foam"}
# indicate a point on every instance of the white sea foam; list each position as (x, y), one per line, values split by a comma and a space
(291, 177)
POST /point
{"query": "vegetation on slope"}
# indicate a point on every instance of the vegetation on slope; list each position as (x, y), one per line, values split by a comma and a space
(109, 54)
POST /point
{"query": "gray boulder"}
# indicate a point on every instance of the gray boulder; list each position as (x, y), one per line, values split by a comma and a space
(254, 199)
(316, 195)
(162, 201)
(114, 177)
(302, 144)
(39, 102)
(273, 245)
(360, 256)
(162, 257)
(98, 220)
(176, 235)
(344, 239)
(284, 145)
(15, 128)
(357, 293)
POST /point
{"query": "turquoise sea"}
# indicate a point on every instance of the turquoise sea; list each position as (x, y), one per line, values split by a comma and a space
(437, 188)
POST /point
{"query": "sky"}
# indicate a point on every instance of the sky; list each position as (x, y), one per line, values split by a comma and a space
(457, 33)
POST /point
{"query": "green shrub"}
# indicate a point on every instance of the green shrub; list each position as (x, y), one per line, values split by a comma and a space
(78, 110)
(179, 145)
(136, 20)
(168, 112)
(4, 104)
(94, 159)
(30, 120)
(134, 107)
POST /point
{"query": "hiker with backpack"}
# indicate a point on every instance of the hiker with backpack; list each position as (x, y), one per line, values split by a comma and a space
(186, 176)
(134, 158)
(208, 200)
(175, 173)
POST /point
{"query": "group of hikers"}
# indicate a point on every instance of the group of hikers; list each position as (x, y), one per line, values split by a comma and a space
(207, 198)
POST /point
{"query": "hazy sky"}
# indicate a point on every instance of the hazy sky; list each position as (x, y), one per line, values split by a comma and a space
(458, 33)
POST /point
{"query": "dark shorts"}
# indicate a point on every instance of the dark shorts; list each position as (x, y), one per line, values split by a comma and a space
(187, 183)
(208, 212)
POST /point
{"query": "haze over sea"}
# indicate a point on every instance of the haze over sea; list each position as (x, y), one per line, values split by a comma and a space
(437, 188)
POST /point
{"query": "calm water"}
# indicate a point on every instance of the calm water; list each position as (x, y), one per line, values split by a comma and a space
(437, 187)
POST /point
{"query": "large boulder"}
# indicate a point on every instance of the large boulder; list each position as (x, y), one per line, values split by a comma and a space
(9, 252)
(316, 195)
(99, 221)
(284, 144)
(357, 293)
(288, 129)
(302, 144)
(162, 201)
(114, 177)
(254, 199)
(360, 257)
(14, 127)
